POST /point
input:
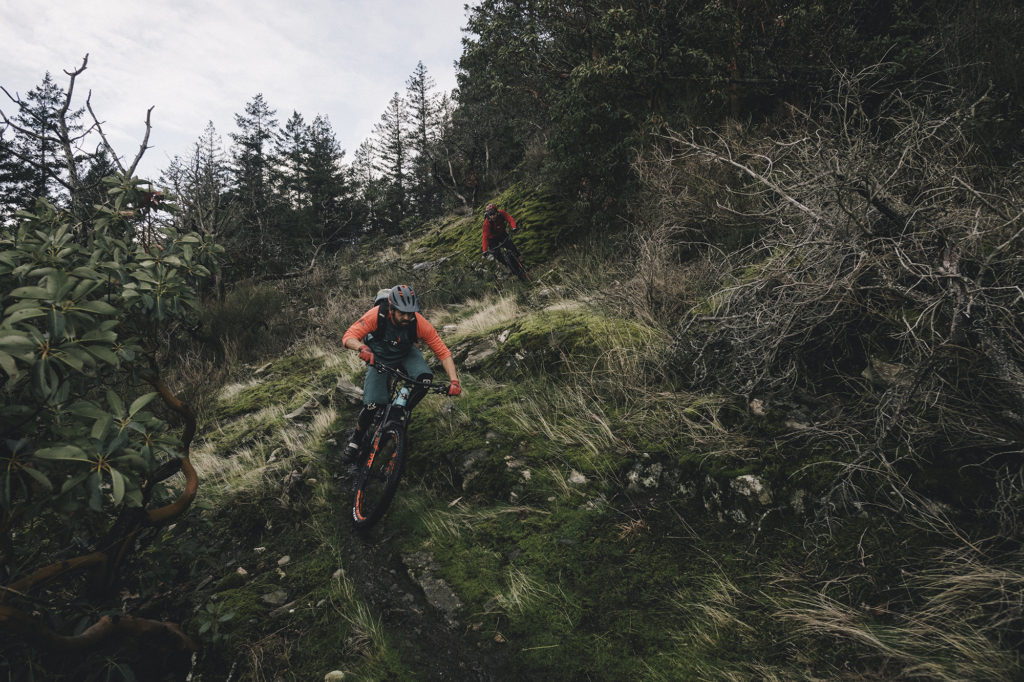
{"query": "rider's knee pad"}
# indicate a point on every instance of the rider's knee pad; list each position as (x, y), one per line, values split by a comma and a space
(426, 377)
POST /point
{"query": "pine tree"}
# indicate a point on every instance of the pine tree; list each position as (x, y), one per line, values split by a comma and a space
(201, 184)
(251, 166)
(14, 175)
(393, 157)
(369, 186)
(37, 144)
(325, 183)
(290, 147)
(423, 112)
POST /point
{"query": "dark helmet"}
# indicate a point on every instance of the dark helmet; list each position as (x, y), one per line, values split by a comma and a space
(403, 299)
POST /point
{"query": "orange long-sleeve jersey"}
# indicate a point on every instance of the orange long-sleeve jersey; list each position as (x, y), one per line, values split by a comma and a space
(367, 324)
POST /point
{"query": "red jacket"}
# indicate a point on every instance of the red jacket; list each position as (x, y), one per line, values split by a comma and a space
(494, 232)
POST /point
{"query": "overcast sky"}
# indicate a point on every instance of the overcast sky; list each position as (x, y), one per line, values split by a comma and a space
(197, 61)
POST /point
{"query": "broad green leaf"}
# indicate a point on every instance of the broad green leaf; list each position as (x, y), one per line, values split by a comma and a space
(41, 377)
(74, 482)
(114, 400)
(103, 353)
(99, 429)
(86, 273)
(70, 360)
(32, 292)
(17, 342)
(98, 307)
(95, 495)
(8, 365)
(39, 477)
(86, 408)
(99, 335)
(25, 314)
(56, 322)
(141, 402)
(117, 480)
(84, 288)
(71, 453)
(131, 459)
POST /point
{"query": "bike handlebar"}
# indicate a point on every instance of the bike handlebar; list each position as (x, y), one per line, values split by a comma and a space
(402, 376)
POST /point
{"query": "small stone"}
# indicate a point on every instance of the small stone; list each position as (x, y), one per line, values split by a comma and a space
(283, 561)
(334, 676)
(275, 598)
(241, 571)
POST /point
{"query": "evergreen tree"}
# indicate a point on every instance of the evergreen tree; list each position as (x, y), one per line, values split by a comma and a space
(369, 186)
(392, 157)
(326, 184)
(449, 159)
(38, 144)
(423, 112)
(14, 175)
(93, 191)
(201, 184)
(251, 166)
(290, 147)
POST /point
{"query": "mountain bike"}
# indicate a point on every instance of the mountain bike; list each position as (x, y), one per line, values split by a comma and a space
(506, 252)
(383, 450)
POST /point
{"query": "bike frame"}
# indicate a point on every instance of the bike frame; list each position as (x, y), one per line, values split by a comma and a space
(401, 381)
(507, 251)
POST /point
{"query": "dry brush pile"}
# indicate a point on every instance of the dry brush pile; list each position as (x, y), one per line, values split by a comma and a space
(862, 264)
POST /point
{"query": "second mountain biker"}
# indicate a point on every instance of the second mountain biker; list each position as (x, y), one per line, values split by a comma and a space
(386, 334)
(497, 242)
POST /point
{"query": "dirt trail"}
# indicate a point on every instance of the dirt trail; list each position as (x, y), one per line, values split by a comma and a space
(432, 646)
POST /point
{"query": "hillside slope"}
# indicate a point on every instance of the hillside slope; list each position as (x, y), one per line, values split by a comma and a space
(580, 512)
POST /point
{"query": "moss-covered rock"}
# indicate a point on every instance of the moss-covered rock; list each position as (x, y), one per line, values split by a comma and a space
(541, 217)
(565, 335)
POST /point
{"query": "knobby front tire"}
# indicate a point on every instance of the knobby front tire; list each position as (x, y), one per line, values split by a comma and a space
(510, 256)
(378, 478)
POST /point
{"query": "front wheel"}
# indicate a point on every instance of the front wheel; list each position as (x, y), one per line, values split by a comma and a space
(378, 478)
(514, 262)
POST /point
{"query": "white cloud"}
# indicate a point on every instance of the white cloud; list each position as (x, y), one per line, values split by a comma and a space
(196, 61)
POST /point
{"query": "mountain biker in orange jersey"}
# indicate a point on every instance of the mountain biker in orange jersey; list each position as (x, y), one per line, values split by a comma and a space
(386, 334)
(495, 221)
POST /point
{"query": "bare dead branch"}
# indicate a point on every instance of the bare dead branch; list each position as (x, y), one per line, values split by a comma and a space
(103, 137)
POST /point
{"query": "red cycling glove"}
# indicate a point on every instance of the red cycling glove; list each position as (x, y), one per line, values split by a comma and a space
(455, 388)
(366, 355)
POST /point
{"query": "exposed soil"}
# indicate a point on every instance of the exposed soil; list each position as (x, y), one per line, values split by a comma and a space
(433, 645)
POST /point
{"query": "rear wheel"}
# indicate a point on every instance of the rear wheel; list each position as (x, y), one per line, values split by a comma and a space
(378, 478)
